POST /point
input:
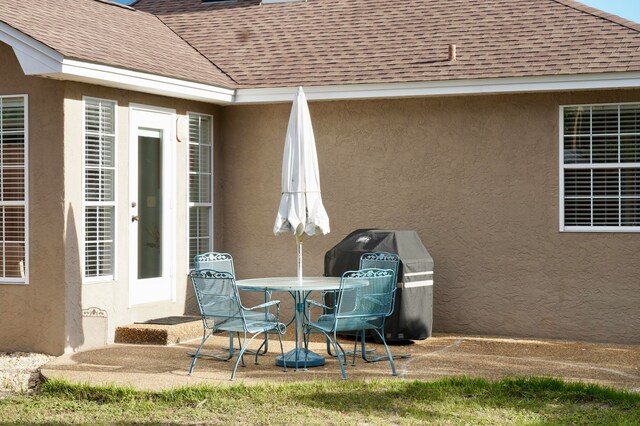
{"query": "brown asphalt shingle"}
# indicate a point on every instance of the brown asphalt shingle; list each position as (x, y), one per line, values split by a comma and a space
(324, 42)
(104, 33)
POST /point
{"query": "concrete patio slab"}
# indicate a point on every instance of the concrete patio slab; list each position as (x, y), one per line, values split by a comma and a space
(165, 367)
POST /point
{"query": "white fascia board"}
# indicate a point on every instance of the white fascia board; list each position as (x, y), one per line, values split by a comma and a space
(444, 88)
(142, 82)
(40, 60)
(35, 58)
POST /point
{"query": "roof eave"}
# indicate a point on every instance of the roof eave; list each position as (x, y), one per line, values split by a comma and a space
(38, 59)
(121, 78)
(553, 83)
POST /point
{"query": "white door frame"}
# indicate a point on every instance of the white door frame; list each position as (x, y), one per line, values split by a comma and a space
(162, 289)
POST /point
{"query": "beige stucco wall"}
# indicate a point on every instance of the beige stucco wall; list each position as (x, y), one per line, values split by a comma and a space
(85, 328)
(476, 177)
(32, 315)
(53, 314)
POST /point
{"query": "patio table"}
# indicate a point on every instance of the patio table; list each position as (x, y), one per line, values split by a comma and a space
(299, 289)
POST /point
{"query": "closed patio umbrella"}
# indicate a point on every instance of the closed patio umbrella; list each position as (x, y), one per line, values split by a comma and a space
(301, 212)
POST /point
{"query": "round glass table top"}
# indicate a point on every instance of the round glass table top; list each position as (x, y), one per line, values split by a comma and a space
(294, 284)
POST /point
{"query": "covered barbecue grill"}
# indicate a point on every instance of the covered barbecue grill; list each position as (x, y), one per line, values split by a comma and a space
(412, 316)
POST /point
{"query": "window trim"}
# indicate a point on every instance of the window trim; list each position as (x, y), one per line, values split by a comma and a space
(189, 203)
(561, 191)
(113, 276)
(25, 279)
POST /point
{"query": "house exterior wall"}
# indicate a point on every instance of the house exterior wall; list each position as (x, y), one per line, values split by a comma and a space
(476, 177)
(85, 326)
(32, 314)
(56, 312)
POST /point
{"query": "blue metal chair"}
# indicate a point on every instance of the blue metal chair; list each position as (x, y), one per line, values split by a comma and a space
(364, 299)
(382, 260)
(223, 262)
(221, 310)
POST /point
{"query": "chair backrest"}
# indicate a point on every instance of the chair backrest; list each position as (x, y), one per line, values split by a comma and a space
(373, 300)
(217, 296)
(221, 262)
(382, 260)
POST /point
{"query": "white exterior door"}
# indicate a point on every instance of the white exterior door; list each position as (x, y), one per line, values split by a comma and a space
(151, 205)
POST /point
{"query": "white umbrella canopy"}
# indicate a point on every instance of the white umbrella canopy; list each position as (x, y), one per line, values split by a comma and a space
(301, 212)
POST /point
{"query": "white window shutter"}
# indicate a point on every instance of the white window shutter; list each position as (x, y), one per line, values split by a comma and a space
(200, 184)
(99, 187)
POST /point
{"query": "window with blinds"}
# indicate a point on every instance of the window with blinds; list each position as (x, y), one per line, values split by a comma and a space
(200, 184)
(99, 187)
(600, 177)
(13, 189)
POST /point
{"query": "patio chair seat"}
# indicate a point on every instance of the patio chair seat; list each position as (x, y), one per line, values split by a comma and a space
(252, 326)
(327, 323)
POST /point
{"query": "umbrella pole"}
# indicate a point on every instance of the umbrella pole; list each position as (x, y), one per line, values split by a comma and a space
(299, 241)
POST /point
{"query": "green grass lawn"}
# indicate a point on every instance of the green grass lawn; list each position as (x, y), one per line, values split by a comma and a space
(456, 401)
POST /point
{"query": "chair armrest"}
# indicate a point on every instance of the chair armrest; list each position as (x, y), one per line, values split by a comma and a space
(264, 305)
(318, 304)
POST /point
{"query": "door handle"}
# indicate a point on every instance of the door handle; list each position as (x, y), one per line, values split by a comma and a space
(135, 218)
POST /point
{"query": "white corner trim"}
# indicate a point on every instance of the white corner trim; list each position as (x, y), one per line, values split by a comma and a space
(442, 88)
(142, 82)
(34, 57)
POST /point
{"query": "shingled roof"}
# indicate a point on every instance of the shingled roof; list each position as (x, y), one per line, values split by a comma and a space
(106, 33)
(328, 42)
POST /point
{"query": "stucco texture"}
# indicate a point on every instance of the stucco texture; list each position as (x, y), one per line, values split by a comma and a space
(56, 312)
(32, 314)
(112, 296)
(476, 177)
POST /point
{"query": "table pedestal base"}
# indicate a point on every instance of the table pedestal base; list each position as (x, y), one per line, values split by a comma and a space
(295, 358)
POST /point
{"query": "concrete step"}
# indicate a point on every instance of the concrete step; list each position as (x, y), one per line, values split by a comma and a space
(161, 331)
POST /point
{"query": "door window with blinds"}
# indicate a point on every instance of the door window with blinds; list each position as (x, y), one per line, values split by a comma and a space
(99, 188)
(200, 184)
(13, 189)
(600, 168)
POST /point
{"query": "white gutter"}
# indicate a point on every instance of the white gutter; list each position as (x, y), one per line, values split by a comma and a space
(142, 82)
(442, 88)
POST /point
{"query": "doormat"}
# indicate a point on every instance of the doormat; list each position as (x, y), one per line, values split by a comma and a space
(170, 320)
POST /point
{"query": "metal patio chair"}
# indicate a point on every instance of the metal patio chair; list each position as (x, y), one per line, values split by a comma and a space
(221, 309)
(358, 308)
(223, 262)
(382, 260)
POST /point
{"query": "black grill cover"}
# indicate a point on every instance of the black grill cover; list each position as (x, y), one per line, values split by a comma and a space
(412, 316)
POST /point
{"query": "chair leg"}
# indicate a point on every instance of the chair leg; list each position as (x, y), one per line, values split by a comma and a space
(243, 348)
(281, 348)
(339, 349)
(355, 347)
(329, 343)
(305, 338)
(205, 336)
(381, 357)
(264, 347)
(241, 354)
(393, 365)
